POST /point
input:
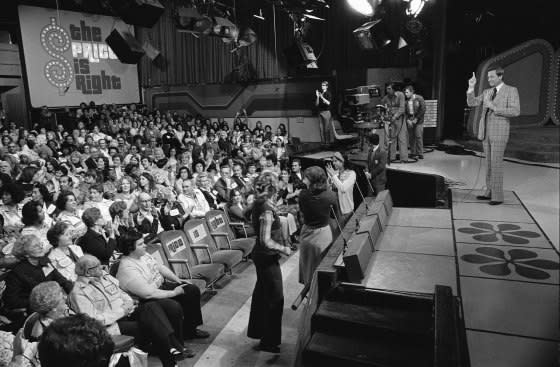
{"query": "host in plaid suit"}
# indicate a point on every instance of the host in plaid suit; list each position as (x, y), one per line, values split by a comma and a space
(500, 103)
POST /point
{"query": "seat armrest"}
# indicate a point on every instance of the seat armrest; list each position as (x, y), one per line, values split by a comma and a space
(223, 234)
(199, 246)
(182, 262)
(202, 246)
(239, 224)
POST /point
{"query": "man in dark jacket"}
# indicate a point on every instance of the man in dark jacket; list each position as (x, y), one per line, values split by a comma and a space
(376, 170)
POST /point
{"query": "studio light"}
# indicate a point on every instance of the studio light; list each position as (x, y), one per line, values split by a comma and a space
(364, 7)
(225, 29)
(259, 16)
(189, 20)
(415, 7)
(370, 38)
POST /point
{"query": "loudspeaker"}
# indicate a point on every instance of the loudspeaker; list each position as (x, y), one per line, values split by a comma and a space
(143, 13)
(413, 189)
(357, 256)
(125, 46)
(301, 54)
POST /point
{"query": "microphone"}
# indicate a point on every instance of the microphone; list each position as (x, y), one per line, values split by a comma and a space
(369, 184)
(345, 246)
(361, 194)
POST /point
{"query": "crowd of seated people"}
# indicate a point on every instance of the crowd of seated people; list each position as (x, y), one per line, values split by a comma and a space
(107, 179)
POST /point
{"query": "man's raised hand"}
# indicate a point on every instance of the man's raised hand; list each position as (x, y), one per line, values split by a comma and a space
(472, 81)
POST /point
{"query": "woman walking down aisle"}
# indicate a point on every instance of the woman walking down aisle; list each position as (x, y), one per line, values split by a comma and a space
(265, 320)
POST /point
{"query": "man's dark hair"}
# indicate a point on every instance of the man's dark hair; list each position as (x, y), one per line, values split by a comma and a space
(409, 87)
(78, 341)
(374, 139)
(127, 241)
(30, 213)
(498, 69)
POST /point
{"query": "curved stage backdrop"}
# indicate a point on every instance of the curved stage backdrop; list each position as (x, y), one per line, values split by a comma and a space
(530, 68)
(68, 62)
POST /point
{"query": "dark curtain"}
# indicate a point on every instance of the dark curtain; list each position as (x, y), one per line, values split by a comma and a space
(188, 60)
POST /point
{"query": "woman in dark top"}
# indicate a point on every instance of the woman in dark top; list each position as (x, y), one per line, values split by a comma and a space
(96, 242)
(316, 205)
(267, 305)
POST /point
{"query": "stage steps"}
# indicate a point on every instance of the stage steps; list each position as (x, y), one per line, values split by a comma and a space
(356, 326)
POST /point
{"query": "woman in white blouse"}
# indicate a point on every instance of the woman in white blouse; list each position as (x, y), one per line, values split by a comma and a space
(64, 254)
(144, 278)
(69, 212)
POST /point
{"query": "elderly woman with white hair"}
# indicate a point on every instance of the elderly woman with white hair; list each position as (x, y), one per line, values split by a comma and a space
(98, 295)
(48, 303)
(34, 268)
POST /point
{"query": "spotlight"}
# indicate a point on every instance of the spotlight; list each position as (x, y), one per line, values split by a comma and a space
(225, 29)
(365, 7)
(191, 21)
(415, 7)
(371, 39)
(260, 15)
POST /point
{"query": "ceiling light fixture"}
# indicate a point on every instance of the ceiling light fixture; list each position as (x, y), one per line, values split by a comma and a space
(415, 7)
(364, 7)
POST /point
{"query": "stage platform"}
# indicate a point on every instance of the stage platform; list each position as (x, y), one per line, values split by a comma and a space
(498, 262)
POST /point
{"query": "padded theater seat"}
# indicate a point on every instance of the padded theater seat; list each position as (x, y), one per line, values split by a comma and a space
(199, 239)
(223, 235)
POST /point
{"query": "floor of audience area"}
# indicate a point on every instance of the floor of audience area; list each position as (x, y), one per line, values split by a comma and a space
(226, 315)
(226, 312)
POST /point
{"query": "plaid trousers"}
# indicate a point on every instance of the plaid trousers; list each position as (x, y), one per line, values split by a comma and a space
(494, 144)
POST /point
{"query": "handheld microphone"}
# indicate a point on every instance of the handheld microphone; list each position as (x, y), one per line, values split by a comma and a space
(345, 246)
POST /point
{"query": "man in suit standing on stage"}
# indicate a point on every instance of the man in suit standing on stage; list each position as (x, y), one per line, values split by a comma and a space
(500, 102)
(376, 171)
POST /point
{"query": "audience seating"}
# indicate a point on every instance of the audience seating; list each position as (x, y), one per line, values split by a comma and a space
(182, 258)
(241, 225)
(223, 235)
(198, 235)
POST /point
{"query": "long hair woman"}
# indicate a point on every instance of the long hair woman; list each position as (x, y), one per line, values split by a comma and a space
(267, 305)
(316, 204)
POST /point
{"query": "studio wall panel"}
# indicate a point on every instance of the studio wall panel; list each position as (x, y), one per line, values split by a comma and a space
(555, 95)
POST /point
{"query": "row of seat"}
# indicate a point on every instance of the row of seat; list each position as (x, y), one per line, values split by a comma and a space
(204, 250)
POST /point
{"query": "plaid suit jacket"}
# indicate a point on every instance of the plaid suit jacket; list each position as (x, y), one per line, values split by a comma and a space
(496, 124)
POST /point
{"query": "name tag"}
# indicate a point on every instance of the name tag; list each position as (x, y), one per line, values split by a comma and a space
(174, 212)
(47, 269)
(51, 209)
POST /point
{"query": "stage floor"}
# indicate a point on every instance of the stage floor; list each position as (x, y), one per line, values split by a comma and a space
(496, 259)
